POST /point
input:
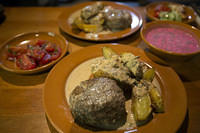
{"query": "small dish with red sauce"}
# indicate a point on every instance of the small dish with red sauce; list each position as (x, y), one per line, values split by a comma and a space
(171, 40)
(33, 52)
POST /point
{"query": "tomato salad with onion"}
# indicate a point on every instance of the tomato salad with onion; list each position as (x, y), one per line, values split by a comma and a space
(30, 56)
(173, 12)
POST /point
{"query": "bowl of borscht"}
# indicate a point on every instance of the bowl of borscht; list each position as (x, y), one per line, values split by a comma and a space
(171, 40)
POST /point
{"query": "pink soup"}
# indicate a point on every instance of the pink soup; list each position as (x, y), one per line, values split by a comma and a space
(173, 40)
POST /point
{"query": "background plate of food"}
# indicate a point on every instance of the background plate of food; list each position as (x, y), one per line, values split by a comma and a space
(100, 21)
(170, 11)
(118, 90)
(32, 52)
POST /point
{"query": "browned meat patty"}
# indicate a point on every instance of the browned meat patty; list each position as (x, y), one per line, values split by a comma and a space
(98, 103)
(117, 19)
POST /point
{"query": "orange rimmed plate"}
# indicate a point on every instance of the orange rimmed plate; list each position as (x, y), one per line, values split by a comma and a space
(58, 112)
(189, 12)
(65, 23)
(24, 39)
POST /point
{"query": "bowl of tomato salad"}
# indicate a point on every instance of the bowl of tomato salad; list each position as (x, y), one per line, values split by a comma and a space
(170, 11)
(33, 52)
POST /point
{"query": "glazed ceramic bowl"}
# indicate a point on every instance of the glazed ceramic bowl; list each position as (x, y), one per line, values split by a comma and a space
(24, 39)
(167, 54)
(150, 11)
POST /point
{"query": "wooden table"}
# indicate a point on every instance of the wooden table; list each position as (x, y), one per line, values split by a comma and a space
(21, 104)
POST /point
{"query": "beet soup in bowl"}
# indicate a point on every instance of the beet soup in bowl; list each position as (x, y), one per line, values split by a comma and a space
(171, 40)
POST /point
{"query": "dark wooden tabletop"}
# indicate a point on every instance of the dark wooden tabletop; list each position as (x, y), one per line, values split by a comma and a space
(21, 103)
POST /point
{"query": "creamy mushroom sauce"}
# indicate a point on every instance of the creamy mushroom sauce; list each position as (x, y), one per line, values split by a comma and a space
(83, 72)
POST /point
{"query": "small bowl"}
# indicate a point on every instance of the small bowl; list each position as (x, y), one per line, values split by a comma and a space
(168, 55)
(25, 38)
(188, 11)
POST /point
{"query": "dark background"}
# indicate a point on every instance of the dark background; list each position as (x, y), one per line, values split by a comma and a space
(71, 2)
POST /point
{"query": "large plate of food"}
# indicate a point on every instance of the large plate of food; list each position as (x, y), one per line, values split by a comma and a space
(170, 11)
(100, 21)
(115, 89)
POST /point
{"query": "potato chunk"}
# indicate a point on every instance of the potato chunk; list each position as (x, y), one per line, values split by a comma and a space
(156, 99)
(108, 52)
(149, 74)
(141, 107)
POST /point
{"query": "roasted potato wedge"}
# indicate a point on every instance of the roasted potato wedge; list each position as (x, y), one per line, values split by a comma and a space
(141, 107)
(149, 74)
(92, 28)
(156, 99)
(87, 27)
(108, 52)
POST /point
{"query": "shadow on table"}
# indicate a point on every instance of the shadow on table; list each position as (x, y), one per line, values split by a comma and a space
(2, 18)
(23, 80)
(2, 15)
(184, 126)
(51, 128)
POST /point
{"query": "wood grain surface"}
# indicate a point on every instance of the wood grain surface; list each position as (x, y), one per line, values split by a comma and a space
(21, 104)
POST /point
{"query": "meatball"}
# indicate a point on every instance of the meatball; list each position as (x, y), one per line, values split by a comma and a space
(117, 19)
(98, 103)
(90, 11)
(98, 19)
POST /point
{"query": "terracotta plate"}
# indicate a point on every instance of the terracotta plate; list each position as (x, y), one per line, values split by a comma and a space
(58, 112)
(150, 9)
(65, 19)
(24, 39)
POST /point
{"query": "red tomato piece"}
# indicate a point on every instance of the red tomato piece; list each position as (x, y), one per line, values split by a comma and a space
(36, 52)
(40, 53)
(157, 14)
(25, 62)
(50, 47)
(46, 59)
(13, 52)
(40, 42)
(162, 8)
(56, 53)
(165, 8)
